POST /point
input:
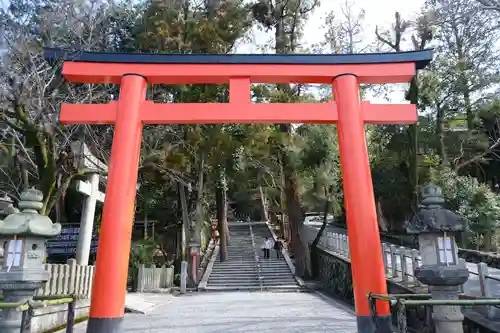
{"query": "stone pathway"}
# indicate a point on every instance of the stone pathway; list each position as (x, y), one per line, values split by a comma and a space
(238, 312)
(145, 302)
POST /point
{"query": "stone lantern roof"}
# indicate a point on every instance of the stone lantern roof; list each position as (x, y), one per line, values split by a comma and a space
(28, 222)
(432, 217)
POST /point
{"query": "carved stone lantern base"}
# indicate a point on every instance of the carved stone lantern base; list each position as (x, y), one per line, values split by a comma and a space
(437, 275)
(16, 291)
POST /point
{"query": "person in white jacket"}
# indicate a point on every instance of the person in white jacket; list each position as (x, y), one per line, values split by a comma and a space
(267, 246)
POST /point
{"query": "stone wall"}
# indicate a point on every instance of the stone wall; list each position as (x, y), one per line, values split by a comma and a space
(491, 259)
(45, 319)
(334, 272)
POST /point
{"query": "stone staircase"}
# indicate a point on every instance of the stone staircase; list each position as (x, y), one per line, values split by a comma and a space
(274, 272)
(246, 269)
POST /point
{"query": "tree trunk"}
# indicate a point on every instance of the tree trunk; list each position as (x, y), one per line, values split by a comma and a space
(221, 203)
(199, 206)
(468, 107)
(323, 226)
(199, 212)
(383, 225)
(263, 202)
(413, 141)
(185, 221)
(300, 247)
(440, 135)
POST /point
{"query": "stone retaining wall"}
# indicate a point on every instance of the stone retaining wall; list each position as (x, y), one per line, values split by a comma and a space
(48, 318)
(491, 259)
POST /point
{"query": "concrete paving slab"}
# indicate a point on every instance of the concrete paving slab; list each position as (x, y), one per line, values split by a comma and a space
(143, 303)
(243, 312)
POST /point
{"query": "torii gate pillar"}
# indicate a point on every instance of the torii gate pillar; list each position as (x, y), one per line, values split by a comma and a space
(134, 71)
(362, 225)
(106, 313)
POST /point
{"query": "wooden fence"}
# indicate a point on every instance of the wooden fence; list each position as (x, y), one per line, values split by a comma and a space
(154, 278)
(68, 279)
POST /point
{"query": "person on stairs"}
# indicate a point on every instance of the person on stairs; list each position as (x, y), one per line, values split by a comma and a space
(267, 246)
(277, 247)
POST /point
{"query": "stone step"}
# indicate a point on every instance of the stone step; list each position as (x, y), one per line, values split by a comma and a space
(231, 270)
(234, 271)
(235, 266)
(284, 283)
(291, 288)
(233, 285)
(246, 260)
(275, 269)
(276, 275)
(274, 282)
(234, 288)
(236, 263)
(231, 279)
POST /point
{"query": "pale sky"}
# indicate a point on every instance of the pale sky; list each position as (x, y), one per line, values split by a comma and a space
(379, 13)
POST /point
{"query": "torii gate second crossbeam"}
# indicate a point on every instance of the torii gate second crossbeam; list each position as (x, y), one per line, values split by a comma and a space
(134, 71)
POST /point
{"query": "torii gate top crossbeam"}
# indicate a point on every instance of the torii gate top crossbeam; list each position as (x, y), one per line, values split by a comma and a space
(371, 68)
(239, 71)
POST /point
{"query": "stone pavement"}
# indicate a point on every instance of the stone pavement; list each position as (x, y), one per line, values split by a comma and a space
(238, 312)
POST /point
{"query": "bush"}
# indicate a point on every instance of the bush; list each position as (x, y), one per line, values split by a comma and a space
(473, 201)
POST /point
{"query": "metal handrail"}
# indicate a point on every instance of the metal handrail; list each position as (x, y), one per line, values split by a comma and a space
(403, 300)
(28, 307)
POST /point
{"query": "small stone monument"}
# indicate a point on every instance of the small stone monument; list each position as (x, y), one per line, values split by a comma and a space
(436, 228)
(23, 237)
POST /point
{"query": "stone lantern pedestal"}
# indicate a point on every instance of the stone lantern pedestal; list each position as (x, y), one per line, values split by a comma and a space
(23, 238)
(194, 252)
(436, 228)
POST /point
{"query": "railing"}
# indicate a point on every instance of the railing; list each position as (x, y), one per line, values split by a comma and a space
(155, 278)
(28, 309)
(402, 301)
(68, 279)
(400, 263)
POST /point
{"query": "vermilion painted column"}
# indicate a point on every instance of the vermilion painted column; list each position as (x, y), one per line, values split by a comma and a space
(364, 239)
(110, 281)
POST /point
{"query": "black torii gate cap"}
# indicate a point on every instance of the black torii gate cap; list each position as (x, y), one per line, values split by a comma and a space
(420, 58)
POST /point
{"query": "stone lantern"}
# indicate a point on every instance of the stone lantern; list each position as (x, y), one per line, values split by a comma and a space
(436, 228)
(23, 237)
(194, 252)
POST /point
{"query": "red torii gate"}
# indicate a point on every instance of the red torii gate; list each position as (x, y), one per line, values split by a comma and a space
(135, 71)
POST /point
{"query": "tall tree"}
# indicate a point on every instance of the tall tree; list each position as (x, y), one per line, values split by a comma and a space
(287, 19)
(421, 36)
(32, 90)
